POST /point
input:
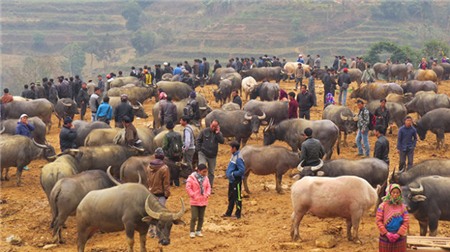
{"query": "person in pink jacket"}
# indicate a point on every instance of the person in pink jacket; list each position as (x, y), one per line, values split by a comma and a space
(198, 189)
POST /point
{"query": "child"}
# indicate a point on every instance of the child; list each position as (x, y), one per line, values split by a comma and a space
(329, 99)
(198, 189)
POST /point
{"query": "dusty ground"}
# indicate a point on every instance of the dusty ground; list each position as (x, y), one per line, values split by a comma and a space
(266, 215)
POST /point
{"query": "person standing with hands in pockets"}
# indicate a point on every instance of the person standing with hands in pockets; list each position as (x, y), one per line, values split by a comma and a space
(199, 190)
(235, 174)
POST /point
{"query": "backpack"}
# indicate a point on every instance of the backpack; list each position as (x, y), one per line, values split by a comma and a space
(175, 146)
(372, 121)
(189, 110)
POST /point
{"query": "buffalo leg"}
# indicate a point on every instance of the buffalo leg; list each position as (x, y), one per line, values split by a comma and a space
(433, 224)
(356, 217)
(247, 173)
(142, 241)
(19, 176)
(345, 140)
(129, 231)
(440, 139)
(423, 227)
(296, 219)
(83, 236)
(278, 178)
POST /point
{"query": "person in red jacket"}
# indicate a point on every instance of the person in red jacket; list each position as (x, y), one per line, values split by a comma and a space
(199, 190)
(293, 106)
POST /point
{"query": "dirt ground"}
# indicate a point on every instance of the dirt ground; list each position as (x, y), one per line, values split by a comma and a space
(265, 224)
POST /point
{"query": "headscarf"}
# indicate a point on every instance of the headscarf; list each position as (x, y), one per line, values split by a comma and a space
(329, 99)
(388, 198)
(200, 180)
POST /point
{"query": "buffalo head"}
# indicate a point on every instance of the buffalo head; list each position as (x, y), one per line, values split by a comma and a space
(310, 170)
(139, 110)
(269, 133)
(254, 120)
(48, 150)
(413, 195)
(420, 130)
(349, 122)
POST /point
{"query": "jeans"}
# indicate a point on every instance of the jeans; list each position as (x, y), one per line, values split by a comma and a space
(298, 80)
(304, 114)
(365, 139)
(234, 198)
(403, 154)
(343, 97)
(211, 163)
(197, 213)
(188, 156)
(93, 117)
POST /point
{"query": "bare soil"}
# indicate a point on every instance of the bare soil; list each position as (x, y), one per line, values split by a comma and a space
(265, 224)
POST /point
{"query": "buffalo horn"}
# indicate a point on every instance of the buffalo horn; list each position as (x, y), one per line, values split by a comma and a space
(140, 178)
(262, 117)
(317, 167)
(178, 215)
(417, 190)
(247, 116)
(149, 211)
(114, 180)
(67, 104)
(39, 145)
(3, 129)
(135, 107)
(300, 167)
(202, 108)
(343, 118)
(140, 104)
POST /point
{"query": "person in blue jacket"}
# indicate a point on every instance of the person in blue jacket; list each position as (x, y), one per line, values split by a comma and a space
(235, 174)
(25, 129)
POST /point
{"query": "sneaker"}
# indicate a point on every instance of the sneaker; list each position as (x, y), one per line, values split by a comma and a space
(192, 235)
(199, 234)
(25, 168)
(226, 216)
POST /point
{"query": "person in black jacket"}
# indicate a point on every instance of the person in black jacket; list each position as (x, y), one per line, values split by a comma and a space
(382, 115)
(124, 109)
(305, 102)
(83, 99)
(343, 82)
(236, 98)
(381, 145)
(312, 150)
(67, 135)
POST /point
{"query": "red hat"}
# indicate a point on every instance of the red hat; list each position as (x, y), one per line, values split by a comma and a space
(345, 70)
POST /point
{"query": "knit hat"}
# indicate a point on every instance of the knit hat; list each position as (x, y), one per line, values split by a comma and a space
(67, 120)
(159, 153)
(193, 95)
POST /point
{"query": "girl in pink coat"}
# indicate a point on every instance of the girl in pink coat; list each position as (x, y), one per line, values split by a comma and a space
(198, 189)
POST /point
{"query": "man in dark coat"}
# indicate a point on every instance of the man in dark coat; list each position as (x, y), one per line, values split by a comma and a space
(381, 145)
(305, 101)
(236, 98)
(124, 109)
(67, 135)
(312, 150)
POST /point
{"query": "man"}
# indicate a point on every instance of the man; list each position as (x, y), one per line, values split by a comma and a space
(52, 92)
(187, 66)
(363, 129)
(293, 106)
(235, 173)
(309, 61)
(100, 83)
(298, 75)
(312, 150)
(317, 62)
(168, 111)
(76, 86)
(336, 63)
(382, 115)
(406, 143)
(158, 73)
(300, 59)
(83, 99)
(236, 98)
(381, 145)
(7, 97)
(208, 146)
(312, 87)
(133, 72)
(188, 141)
(217, 65)
(93, 103)
(104, 111)
(27, 93)
(67, 135)
(343, 82)
(148, 80)
(206, 67)
(64, 88)
(368, 75)
(328, 86)
(131, 137)
(173, 150)
(305, 102)
(123, 109)
(24, 128)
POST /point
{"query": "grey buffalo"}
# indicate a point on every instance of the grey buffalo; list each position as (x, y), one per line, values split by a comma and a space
(397, 111)
(376, 91)
(219, 74)
(18, 151)
(355, 76)
(236, 80)
(65, 107)
(414, 86)
(230, 106)
(223, 93)
(177, 90)
(129, 206)
(138, 108)
(397, 71)
(380, 68)
(446, 67)
(322, 197)
(135, 94)
(122, 81)
(39, 107)
(83, 129)
(68, 193)
(439, 70)
(291, 132)
(264, 73)
(63, 166)
(427, 199)
(436, 121)
(343, 117)
(424, 102)
(403, 99)
(267, 91)
(276, 110)
(430, 167)
(237, 123)
(38, 134)
(265, 160)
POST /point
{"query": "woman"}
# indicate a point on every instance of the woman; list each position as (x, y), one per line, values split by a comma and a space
(198, 189)
(392, 220)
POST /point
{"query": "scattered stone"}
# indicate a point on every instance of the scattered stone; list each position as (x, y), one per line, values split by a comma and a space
(40, 245)
(326, 241)
(3, 201)
(253, 202)
(14, 240)
(50, 246)
(290, 245)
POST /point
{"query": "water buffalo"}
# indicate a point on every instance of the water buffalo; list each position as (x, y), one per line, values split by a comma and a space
(63, 166)
(236, 123)
(39, 107)
(65, 107)
(425, 75)
(403, 99)
(230, 106)
(414, 86)
(68, 193)
(236, 80)
(446, 67)
(122, 81)
(376, 91)
(427, 199)
(355, 76)
(424, 102)
(276, 110)
(18, 151)
(322, 197)
(439, 70)
(264, 73)
(289, 68)
(265, 160)
(266, 91)
(135, 94)
(397, 111)
(380, 68)
(397, 71)
(129, 206)
(248, 85)
(223, 93)
(138, 108)
(436, 121)
(291, 131)
(83, 129)
(38, 134)
(177, 90)
(343, 117)
(430, 167)
(219, 74)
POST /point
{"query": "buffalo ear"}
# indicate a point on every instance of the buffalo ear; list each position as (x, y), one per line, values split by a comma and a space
(150, 220)
(320, 173)
(264, 122)
(179, 222)
(419, 198)
(245, 122)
